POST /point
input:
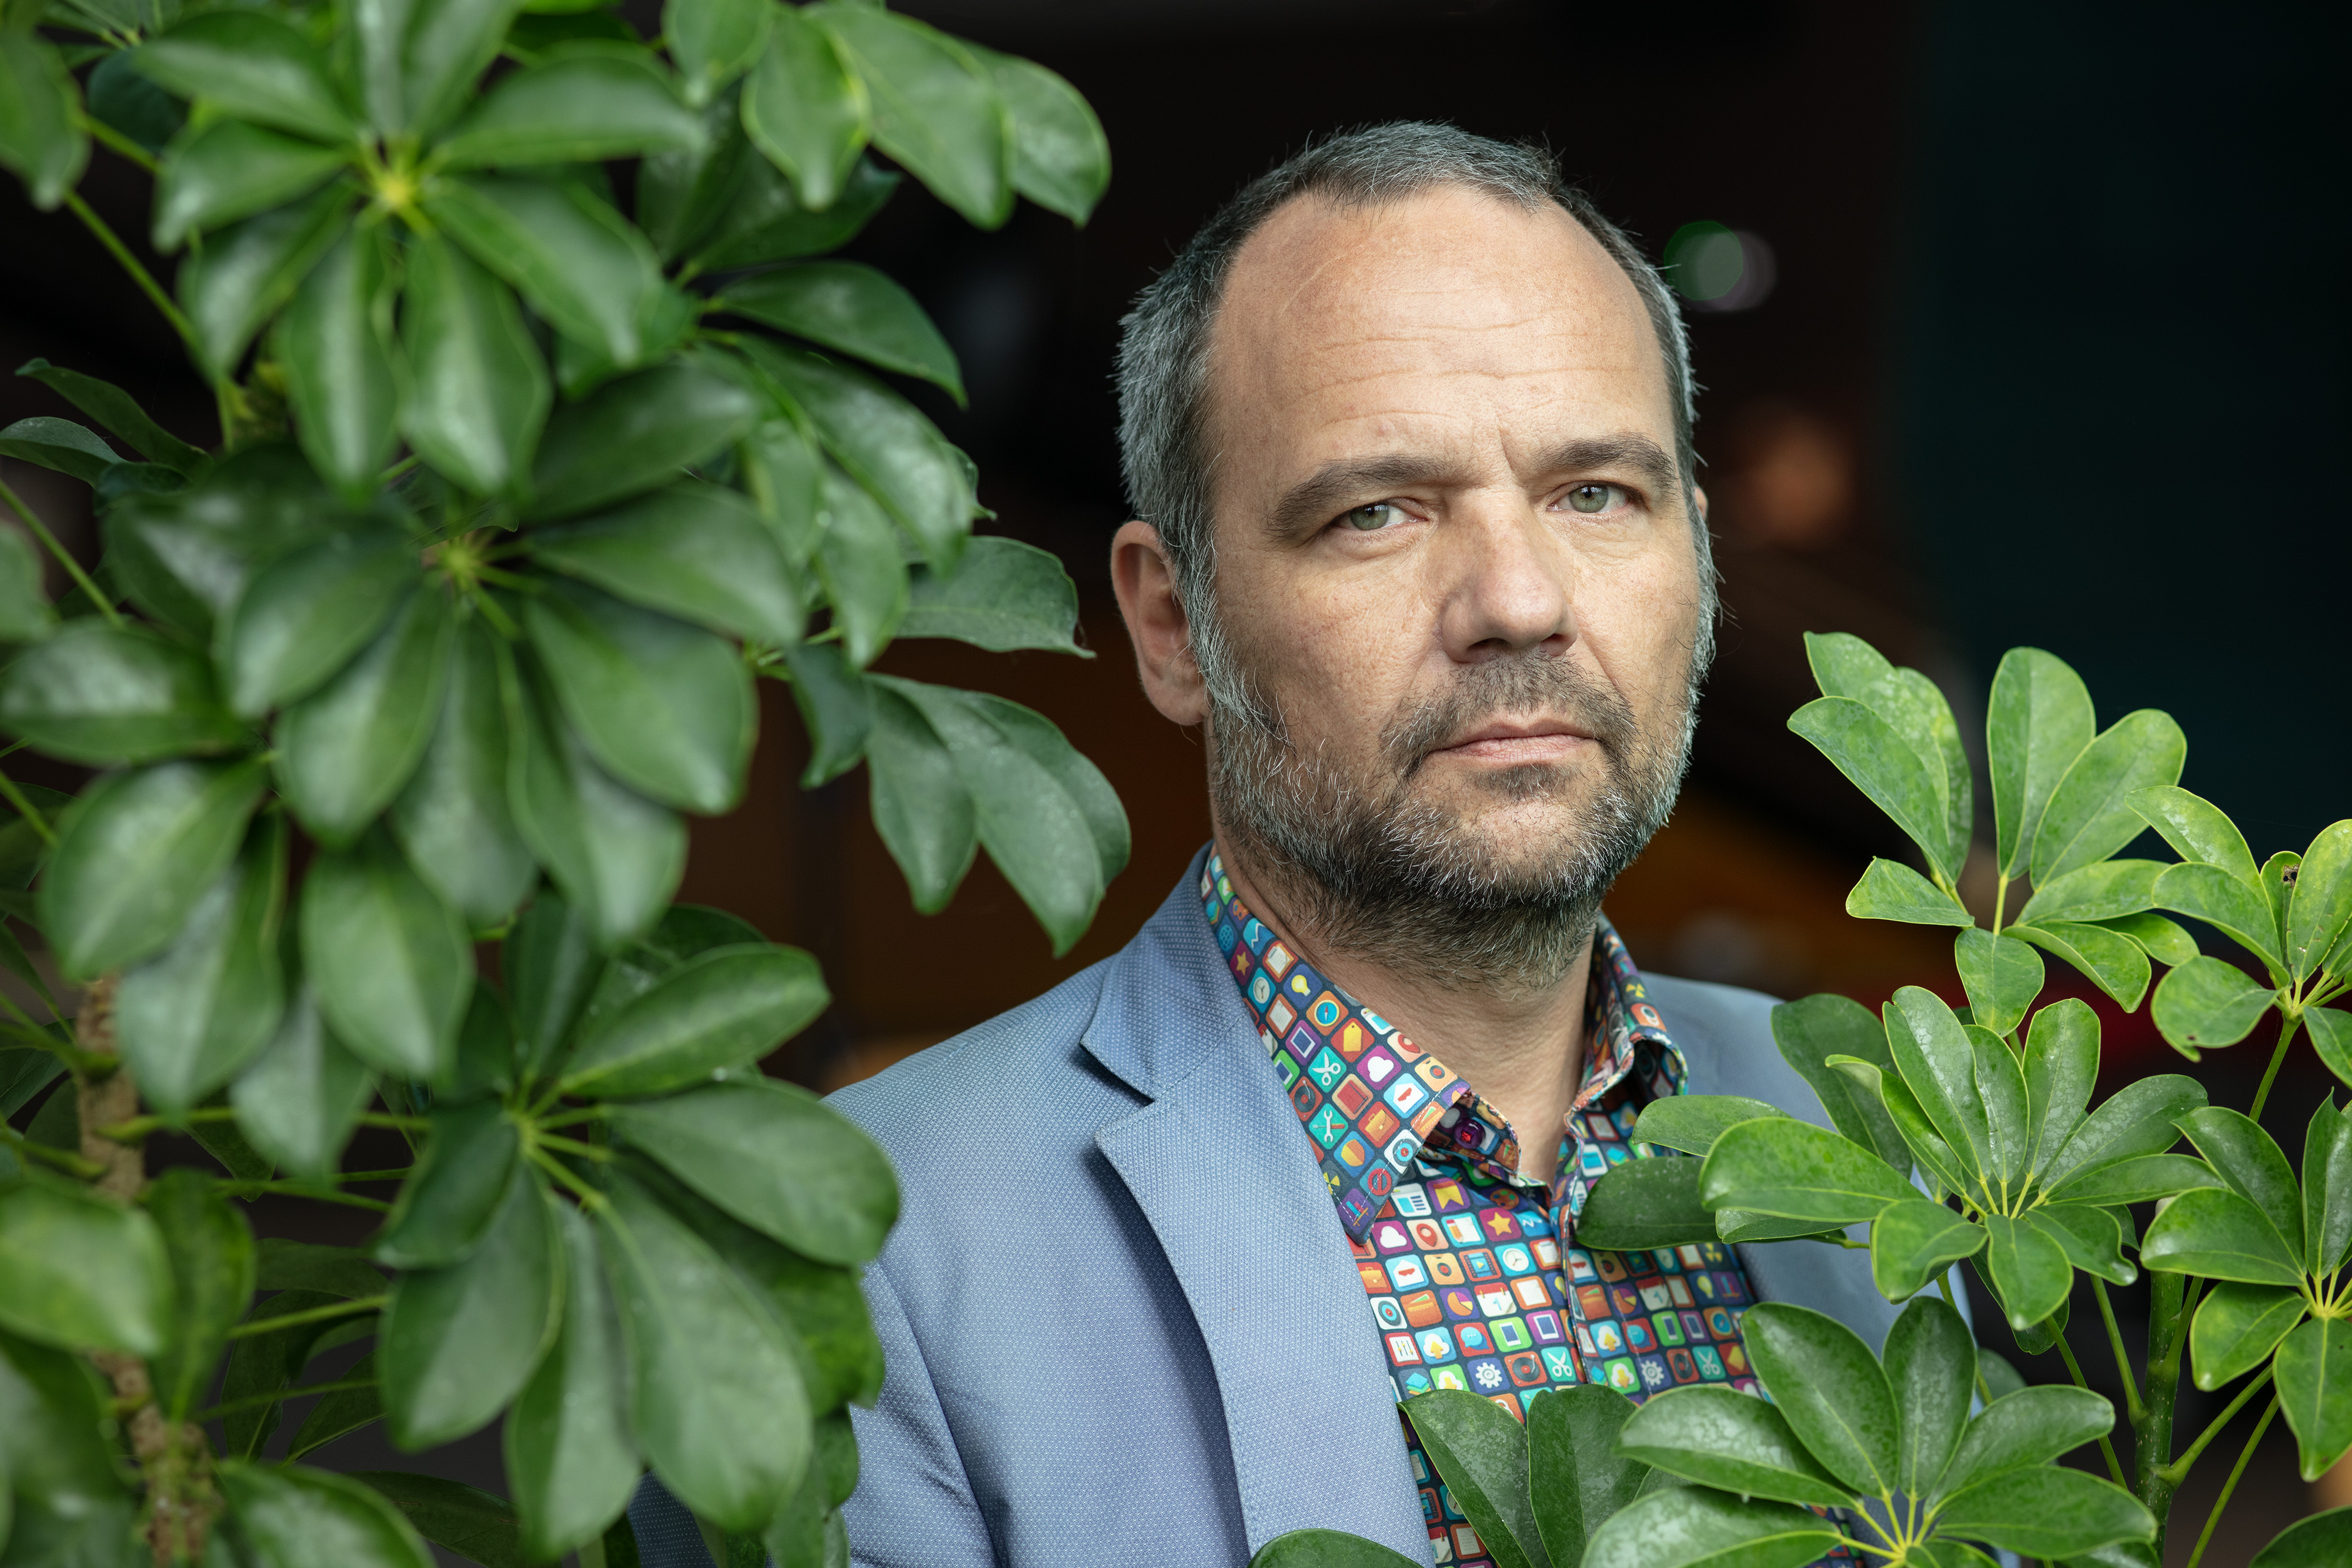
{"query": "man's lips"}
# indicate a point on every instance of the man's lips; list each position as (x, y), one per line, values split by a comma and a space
(1528, 740)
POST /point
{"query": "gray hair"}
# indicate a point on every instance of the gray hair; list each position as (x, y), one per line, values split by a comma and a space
(1163, 360)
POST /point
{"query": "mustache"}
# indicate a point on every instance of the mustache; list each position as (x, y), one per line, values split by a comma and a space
(1532, 683)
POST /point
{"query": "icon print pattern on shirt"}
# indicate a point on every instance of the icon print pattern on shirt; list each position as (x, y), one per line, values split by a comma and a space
(1470, 1271)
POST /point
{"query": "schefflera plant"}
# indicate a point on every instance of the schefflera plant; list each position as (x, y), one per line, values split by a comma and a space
(541, 438)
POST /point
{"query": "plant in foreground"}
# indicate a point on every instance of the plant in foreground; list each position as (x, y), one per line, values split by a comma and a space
(541, 442)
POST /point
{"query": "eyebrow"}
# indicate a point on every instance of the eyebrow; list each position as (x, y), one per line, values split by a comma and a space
(1315, 498)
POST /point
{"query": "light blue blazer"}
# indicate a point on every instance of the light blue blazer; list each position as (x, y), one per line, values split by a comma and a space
(1123, 1325)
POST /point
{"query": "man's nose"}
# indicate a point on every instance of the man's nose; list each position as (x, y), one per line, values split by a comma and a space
(1507, 586)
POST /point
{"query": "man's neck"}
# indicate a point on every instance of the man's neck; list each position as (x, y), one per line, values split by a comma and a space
(1522, 1052)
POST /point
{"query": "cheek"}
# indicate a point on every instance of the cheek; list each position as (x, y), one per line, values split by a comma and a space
(1639, 617)
(1338, 651)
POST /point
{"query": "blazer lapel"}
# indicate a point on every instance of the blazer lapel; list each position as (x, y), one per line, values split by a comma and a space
(1219, 1166)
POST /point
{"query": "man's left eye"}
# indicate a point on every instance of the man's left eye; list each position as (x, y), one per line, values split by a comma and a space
(1594, 497)
(1378, 515)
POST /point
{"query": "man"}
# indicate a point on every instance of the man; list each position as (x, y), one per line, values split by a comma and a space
(1407, 430)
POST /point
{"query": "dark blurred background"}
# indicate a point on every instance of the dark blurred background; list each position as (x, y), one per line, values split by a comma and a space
(2026, 324)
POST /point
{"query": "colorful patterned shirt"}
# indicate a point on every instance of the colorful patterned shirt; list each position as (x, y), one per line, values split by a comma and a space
(1471, 1270)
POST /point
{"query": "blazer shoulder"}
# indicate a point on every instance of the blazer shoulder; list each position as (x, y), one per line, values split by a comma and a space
(1726, 1035)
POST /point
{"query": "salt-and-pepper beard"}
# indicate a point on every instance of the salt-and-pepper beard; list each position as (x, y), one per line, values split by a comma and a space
(1361, 865)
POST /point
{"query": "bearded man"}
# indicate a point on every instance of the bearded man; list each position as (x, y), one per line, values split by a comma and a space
(1407, 431)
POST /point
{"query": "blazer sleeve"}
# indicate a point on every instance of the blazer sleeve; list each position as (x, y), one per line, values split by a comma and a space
(914, 1505)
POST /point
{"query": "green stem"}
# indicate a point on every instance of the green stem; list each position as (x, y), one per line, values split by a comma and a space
(573, 1147)
(2000, 901)
(16, 797)
(2132, 1406)
(73, 567)
(2167, 1331)
(316, 1314)
(2106, 1447)
(301, 1190)
(2232, 1484)
(571, 1118)
(2286, 1038)
(385, 1119)
(106, 136)
(2177, 1471)
(589, 1199)
(257, 1401)
(71, 1163)
(141, 1128)
(132, 265)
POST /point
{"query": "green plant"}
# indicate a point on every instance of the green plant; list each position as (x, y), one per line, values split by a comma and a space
(522, 481)
(1966, 1135)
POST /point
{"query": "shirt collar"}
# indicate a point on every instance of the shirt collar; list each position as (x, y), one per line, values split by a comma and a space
(1373, 1102)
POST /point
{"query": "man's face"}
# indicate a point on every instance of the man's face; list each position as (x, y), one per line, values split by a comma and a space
(1454, 563)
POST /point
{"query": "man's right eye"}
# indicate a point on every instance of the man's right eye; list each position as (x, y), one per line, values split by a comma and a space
(1378, 515)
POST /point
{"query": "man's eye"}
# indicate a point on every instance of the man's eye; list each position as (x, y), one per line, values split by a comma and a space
(1378, 515)
(1593, 498)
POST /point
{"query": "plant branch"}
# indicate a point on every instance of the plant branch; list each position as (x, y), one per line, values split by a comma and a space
(140, 1128)
(316, 1314)
(2167, 1321)
(63, 1160)
(2106, 1444)
(2132, 1406)
(2232, 1484)
(2178, 1469)
(16, 797)
(573, 1147)
(113, 141)
(2278, 1054)
(260, 1401)
(589, 1199)
(385, 1119)
(73, 570)
(301, 1190)
(132, 265)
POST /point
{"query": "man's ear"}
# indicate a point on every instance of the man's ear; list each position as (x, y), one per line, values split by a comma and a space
(1156, 623)
(1699, 497)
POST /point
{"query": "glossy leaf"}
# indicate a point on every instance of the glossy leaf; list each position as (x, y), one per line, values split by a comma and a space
(254, 66)
(2039, 720)
(553, 962)
(2331, 1036)
(851, 307)
(53, 1430)
(859, 562)
(186, 559)
(59, 444)
(920, 807)
(2089, 816)
(1480, 1451)
(1644, 1204)
(762, 221)
(2000, 1089)
(1881, 764)
(190, 1018)
(101, 694)
(2089, 1237)
(448, 1206)
(2321, 1541)
(1692, 1122)
(2253, 1164)
(2196, 828)
(569, 1458)
(38, 138)
(2314, 1374)
(2326, 1189)
(2112, 962)
(211, 1256)
(81, 1273)
(2207, 1003)
(1938, 1064)
(1061, 159)
(2236, 909)
(2031, 1426)
(135, 854)
(579, 263)
(475, 393)
(230, 169)
(294, 1516)
(2317, 920)
(305, 615)
(2139, 1179)
(2237, 1327)
(2061, 1065)
(2106, 891)
(1577, 1478)
(1794, 1170)
(25, 612)
(1693, 1527)
(2028, 1269)
(1809, 1031)
(1890, 890)
(717, 1402)
(633, 435)
(699, 552)
(2002, 976)
(2137, 1119)
(339, 1414)
(344, 751)
(806, 108)
(247, 271)
(1721, 1438)
(584, 107)
(720, 1009)
(391, 962)
(2049, 1512)
(470, 1522)
(1002, 595)
(301, 1097)
(458, 1343)
(713, 42)
(836, 707)
(1325, 1549)
(1931, 1363)
(935, 110)
(2217, 1233)
(1913, 1242)
(1831, 1390)
(453, 819)
(119, 412)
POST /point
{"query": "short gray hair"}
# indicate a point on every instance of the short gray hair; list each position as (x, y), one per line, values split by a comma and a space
(1163, 360)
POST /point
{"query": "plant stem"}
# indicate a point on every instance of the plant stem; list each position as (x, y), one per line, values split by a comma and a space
(64, 1160)
(132, 265)
(385, 1119)
(2167, 1331)
(2106, 1447)
(114, 140)
(256, 1401)
(2232, 1484)
(589, 1199)
(302, 1189)
(2178, 1469)
(16, 797)
(573, 1147)
(73, 570)
(2132, 1405)
(2286, 1038)
(332, 1310)
(572, 1118)
(139, 1128)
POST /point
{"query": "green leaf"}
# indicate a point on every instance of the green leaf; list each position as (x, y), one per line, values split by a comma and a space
(252, 66)
(601, 102)
(1577, 1478)
(185, 559)
(2002, 976)
(2112, 962)
(2326, 1189)
(616, 856)
(1932, 1050)
(2028, 1269)
(470, 1522)
(135, 854)
(2237, 1327)
(717, 1401)
(453, 819)
(1644, 1204)
(458, 1343)
(101, 693)
(339, 1414)
(2331, 1036)
(1885, 1088)
(773, 1156)
(2236, 909)
(476, 393)
(1882, 765)
(1913, 1242)
(1831, 1389)
(1794, 1170)
(2253, 1164)
(2141, 1180)
(1328, 1549)
(344, 751)
(25, 612)
(247, 271)
(1931, 1365)
(632, 435)
(2318, 1541)
(419, 61)
(446, 1207)
(1890, 890)
(1692, 1122)
(485, 1056)
(2105, 890)
(920, 806)
(2217, 1233)
(303, 616)
(2090, 815)
(1810, 1030)
(2024, 1430)
(81, 1273)
(859, 563)
(579, 264)
(1692, 1526)
(298, 1102)
(713, 42)
(230, 169)
(119, 412)
(1003, 595)
(1481, 1455)
(2196, 828)
(569, 1458)
(665, 707)
(392, 962)
(2038, 722)
(836, 707)
(1721, 1438)
(2061, 1066)
(2047, 1512)
(293, 1516)
(334, 340)
(807, 109)
(299, 1266)
(761, 221)
(53, 1430)
(211, 1259)
(2314, 1372)
(2089, 1236)
(39, 138)
(2137, 1119)
(2318, 919)
(1061, 159)
(884, 443)
(552, 963)
(851, 307)
(190, 1018)
(935, 109)
(2001, 1088)
(1911, 706)
(700, 552)
(58, 444)
(2208, 1003)
(721, 1008)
